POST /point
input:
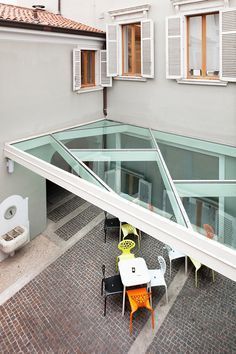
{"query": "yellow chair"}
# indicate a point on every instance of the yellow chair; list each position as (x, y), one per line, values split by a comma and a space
(128, 229)
(125, 247)
(197, 266)
(139, 298)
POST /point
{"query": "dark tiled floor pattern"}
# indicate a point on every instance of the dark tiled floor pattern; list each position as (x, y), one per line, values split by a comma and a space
(65, 209)
(78, 222)
(55, 194)
(61, 310)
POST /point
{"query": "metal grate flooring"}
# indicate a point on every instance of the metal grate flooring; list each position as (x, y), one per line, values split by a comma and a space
(65, 209)
(70, 228)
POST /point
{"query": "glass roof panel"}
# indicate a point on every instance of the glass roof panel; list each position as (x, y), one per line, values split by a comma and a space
(131, 160)
(98, 124)
(121, 136)
(137, 176)
(193, 143)
(48, 149)
(185, 164)
(211, 204)
(200, 160)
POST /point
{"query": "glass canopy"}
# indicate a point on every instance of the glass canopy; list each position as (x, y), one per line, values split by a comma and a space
(188, 181)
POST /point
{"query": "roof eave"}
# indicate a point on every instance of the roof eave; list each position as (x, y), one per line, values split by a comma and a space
(47, 28)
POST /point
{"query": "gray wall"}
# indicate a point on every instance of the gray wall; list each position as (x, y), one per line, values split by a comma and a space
(206, 112)
(37, 97)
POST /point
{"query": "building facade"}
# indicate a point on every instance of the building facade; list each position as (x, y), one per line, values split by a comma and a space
(37, 92)
(168, 65)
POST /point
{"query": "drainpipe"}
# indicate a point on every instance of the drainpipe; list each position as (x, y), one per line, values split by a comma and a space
(59, 7)
(105, 101)
(104, 94)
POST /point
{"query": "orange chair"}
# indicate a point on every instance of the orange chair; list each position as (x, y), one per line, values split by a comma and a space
(139, 298)
(209, 230)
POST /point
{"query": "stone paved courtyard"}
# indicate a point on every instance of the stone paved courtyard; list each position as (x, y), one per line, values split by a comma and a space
(61, 310)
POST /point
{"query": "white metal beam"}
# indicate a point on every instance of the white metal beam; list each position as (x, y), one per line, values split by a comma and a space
(225, 189)
(208, 252)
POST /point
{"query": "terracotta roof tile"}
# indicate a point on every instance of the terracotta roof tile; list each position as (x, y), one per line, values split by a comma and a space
(42, 17)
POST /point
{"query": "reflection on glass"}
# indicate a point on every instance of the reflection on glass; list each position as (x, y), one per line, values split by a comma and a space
(137, 177)
(87, 68)
(218, 213)
(195, 46)
(132, 49)
(191, 144)
(98, 124)
(230, 167)
(49, 150)
(186, 164)
(90, 67)
(212, 45)
(137, 48)
(122, 136)
(127, 56)
(211, 205)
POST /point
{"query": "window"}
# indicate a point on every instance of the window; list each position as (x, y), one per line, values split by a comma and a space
(87, 68)
(90, 70)
(203, 46)
(131, 49)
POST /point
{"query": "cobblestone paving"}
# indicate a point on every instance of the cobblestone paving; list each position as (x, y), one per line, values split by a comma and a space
(78, 222)
(202, 320)
(65, 209)
(61, 310)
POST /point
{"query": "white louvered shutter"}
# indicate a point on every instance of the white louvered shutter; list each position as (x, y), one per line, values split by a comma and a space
(76, 69)
(105, 80)
(112, 49)
(174, 47)
(228, 44)
(147, 48)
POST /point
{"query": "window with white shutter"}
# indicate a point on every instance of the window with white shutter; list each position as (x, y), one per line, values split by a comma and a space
(76, 69)
(130, 44)
(112, 49)
(106, 81)
(147, 49)
(228, 44)
(174, 47)
(90, 69)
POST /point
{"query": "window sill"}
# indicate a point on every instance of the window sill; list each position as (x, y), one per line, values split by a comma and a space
(202, 82)
(130, 78)
(89, 89)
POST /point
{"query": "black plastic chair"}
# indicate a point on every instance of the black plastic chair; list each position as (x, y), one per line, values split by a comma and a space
(110, 286)
(110, 223)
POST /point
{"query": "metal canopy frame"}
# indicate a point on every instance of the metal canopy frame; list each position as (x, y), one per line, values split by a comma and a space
(182, 237)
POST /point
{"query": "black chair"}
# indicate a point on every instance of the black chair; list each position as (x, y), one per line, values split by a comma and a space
(110, 286)
(110, 223)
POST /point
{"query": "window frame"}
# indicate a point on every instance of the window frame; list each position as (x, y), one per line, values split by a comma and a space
(114, 49)
(133, 72)
(84, 52)
(204, 47)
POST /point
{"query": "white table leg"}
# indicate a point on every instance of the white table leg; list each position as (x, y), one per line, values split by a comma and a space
(149, 289)
(123, 306)
(186, 265)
